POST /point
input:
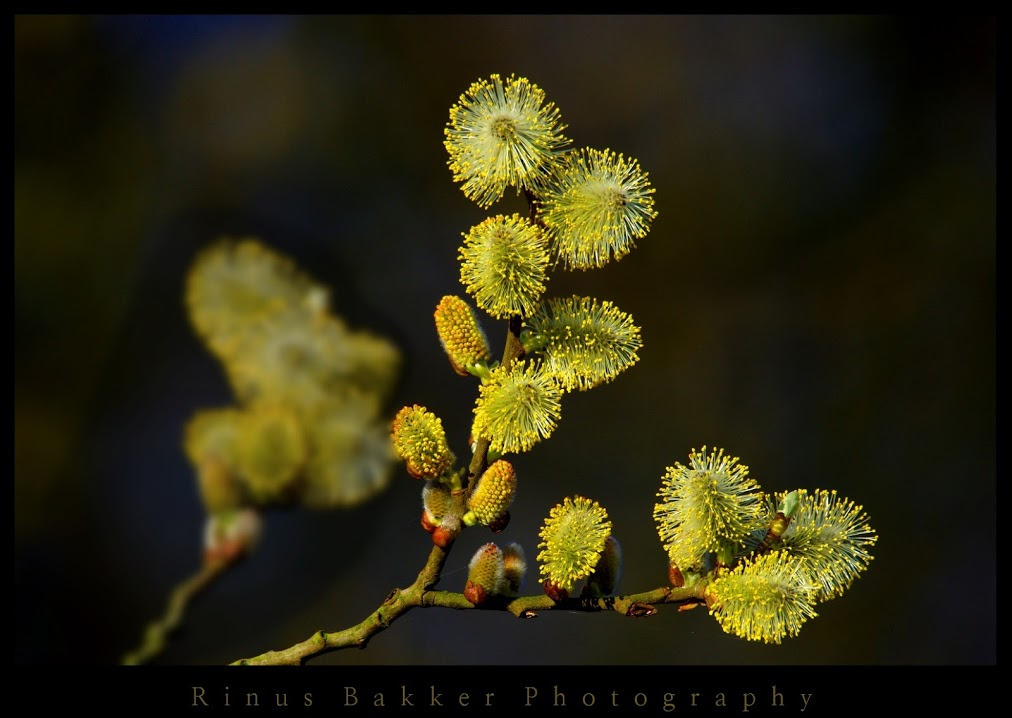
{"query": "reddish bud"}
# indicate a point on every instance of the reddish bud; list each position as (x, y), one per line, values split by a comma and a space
(448, 531)
(514, 569)
(556, 593)
(443, 537)
(427, 522)
(675, 576)
(475, 593)
(230, 535)
(499, 524)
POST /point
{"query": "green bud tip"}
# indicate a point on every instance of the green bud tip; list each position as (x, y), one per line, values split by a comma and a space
(789, 504)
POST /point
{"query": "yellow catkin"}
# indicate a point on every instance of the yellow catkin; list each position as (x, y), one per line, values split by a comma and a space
(494, 493)
(709, 501)
(503, 265)
(598, 203)
(766, 600)
(272, 451)
(460, 333)
(502, 134)
(517, 407)
(572, 539)
(420, 441)
(832, 538)
(586, 342)
(210, 444)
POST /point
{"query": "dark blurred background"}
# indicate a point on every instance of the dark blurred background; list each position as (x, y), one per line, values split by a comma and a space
(817, 296)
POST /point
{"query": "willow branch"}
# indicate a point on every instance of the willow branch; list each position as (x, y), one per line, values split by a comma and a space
(400, 601)
(420, 593)
(396, 604)
(634, 605)
(158, 631)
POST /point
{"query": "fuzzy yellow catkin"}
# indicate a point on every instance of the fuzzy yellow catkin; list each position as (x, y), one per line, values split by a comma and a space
(420, 441)
(504, 263)
(436, 501)
(712, 500)
(831, 537)
(502, 134)
(766, 599)
(597, 204)
(272, 451)
(352, 452)
(272, 328)
(517, 407)
(572, 539)
(586, 342)
(237, 284)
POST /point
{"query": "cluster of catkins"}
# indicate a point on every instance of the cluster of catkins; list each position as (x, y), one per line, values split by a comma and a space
(307, 425)
(761, 562)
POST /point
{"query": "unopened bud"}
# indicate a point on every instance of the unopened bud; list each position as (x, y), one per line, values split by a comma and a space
(604, 580)
(554, 592)
(231, 534)
(500, 524)
(789, 504)
(436, 501)
(447, 532)
(484, 574)
(475, 593)
(492, 495)
(675, 576)
(514, 569)
(420, 441)
(461, 335)
(779, 525)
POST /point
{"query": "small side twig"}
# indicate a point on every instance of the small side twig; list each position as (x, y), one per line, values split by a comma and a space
(158, 631)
